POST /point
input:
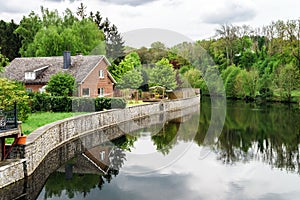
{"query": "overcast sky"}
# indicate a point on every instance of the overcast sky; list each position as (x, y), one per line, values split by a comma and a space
(195, 19)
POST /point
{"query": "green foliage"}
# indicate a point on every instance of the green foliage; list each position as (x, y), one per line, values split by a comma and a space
(247, 84)
(3, 62)
(194, 78)
(10, 42)
(38, 119)
(61, 84)
(11, 92)
(27, 30)
(163, 75)
(83, 36)
(131, 79)
(46, 103)
(231, 74)
(265, 86)
(289, 79)
(130, 62)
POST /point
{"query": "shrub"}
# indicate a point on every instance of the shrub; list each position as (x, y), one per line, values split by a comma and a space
(46, 103)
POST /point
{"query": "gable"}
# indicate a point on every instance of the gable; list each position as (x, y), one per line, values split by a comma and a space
(80, 67)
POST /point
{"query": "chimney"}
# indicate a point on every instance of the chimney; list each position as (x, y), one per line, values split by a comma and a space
(67, 59)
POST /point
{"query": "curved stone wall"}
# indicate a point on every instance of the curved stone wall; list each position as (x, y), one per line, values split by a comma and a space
(47, 138)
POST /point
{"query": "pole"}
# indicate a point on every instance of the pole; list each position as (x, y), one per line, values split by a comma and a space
(15, 114)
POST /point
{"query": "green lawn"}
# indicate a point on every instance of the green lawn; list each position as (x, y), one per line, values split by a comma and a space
(36, 120)
(134, 102)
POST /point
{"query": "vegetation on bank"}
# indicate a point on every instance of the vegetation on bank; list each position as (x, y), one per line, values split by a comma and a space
(254, 63)
(39, 119)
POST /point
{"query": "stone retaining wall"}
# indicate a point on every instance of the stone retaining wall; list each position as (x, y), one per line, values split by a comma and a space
(47, 138)
(11, 172)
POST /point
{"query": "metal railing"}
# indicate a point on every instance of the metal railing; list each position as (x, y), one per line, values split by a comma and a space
(8, 119)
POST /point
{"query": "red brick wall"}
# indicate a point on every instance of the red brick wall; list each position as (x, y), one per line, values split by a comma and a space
(93, 82)
(35, 88)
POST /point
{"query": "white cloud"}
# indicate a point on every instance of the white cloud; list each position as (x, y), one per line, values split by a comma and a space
(196, 19)
(229, 12)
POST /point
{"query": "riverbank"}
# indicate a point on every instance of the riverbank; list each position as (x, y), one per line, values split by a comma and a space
(47, 138)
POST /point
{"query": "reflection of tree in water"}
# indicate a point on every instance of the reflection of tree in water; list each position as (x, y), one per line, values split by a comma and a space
(270, 133)
(83, 183)
(165, 139)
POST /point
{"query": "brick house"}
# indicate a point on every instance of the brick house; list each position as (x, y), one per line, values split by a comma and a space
(90, 72)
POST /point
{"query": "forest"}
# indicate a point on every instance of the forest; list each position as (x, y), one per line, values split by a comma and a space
(253, 63)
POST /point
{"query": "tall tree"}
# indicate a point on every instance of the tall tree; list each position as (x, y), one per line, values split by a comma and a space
(130, 62)
(114, 45)
(289, 80)
(163, 75)
(9, 42)
(27, 30)
(81, 11)
(3, 61)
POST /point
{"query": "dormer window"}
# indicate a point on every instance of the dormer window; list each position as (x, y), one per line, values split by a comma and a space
(101, 73)
(30, 75)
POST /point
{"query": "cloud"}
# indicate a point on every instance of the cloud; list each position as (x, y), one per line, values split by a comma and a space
(13, 6)
(236, 11)
(58, 1)
(129, 2)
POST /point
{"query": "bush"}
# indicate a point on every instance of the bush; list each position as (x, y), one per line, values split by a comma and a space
(46, 103)
(83, 105)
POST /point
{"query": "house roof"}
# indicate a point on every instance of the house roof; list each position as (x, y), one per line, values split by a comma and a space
(80, 67)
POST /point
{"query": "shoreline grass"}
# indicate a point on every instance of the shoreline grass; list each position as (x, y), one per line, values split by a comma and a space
(39, 119)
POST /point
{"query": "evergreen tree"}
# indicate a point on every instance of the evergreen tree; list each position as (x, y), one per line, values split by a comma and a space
(114, 45)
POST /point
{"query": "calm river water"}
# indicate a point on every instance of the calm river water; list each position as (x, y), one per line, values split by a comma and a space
(255, 157)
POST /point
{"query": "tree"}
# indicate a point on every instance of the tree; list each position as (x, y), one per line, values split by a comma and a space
(114, 45)
(131, 79)
(27, 30)
(11, 92)
(163, 75)
(230, 77)
(194, 78)
(61, 84)
(130, 62)
(9, 42)
(83, 36)
(81, 11)
(289, 80)
(3, 61)
(247, 83)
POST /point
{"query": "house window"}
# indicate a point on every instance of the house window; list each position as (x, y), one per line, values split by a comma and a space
(101, 92)
(30, 75)
(101, 73)
(86, 92)
(28, 90)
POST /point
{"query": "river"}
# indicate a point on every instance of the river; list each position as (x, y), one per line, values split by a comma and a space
(256, 156)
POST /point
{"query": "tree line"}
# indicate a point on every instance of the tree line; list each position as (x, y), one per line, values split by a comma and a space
(253, 62)
(49, 34)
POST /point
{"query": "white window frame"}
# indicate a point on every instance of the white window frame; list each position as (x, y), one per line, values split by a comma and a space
(101, 73)
(28, 90)
(84, 94)
(100, 92)
(30, 76)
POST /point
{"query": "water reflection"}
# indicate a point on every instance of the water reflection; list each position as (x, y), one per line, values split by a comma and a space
(264, 132)
(87, 171)
(258, 144)
(253, 134)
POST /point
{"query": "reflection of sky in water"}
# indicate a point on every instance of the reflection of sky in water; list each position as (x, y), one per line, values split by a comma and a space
(193, 178)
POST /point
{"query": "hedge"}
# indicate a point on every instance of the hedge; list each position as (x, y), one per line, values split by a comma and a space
(47, 103)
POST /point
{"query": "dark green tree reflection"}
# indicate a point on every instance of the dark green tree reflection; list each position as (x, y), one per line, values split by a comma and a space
(80, 175)
(267, 132)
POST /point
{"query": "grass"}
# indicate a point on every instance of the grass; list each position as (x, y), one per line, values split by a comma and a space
(36, 120)
(134, 102)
